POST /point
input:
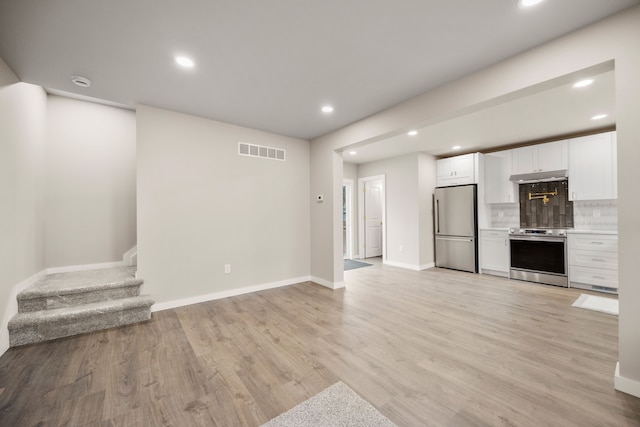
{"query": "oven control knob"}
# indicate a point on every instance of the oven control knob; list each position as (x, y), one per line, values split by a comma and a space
(562, 233)
(521, 231)
(549, 231)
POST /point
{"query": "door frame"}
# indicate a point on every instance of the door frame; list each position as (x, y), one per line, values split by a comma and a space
(361, 212)
(347, 185)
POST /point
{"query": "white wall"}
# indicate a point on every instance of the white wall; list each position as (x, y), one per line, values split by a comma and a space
(401, 193)
(350, 171)
(410, 181)
(91, 182)
(22, 137)
(201, 206)
(614, 38)
(426, 185)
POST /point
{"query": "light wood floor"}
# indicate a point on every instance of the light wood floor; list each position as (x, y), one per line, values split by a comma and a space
(431, 348)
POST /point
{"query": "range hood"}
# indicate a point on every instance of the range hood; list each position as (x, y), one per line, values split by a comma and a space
(545, 176)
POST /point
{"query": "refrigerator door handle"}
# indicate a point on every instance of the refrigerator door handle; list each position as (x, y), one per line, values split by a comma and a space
(437, 216)
(456, 239)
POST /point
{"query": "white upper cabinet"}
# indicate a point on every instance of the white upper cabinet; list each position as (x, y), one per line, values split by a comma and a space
(497, 187)
(551, 156)
(593, 167)
(456, 170)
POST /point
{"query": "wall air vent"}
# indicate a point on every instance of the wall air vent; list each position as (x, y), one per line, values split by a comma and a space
(253, 150)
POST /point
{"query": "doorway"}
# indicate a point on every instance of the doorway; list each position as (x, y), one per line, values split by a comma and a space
(371, 217)
(347, 218)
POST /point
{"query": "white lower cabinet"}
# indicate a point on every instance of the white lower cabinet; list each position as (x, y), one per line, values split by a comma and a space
(494, 252)
(593, 261)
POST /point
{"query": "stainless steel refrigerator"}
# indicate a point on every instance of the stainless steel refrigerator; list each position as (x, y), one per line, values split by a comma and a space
(456, 227)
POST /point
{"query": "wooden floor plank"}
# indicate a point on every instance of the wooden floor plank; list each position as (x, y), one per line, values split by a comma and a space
(436, 347)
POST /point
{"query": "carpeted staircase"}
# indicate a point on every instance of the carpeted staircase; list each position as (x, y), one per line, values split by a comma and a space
(65, 304)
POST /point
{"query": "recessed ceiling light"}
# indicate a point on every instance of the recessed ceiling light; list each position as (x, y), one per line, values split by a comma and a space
(456, 147)
(528, 3)
(327, 109)
(353, 153)
(183, 61)
(412, 133)
(583, 83)
(81, 81)
(598, 117)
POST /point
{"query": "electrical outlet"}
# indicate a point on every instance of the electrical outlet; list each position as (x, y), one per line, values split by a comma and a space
(596, 213)
(227, 269)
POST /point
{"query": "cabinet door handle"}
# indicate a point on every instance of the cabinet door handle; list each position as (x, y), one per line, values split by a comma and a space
(597, 243)
(597, 260)
(599, 277)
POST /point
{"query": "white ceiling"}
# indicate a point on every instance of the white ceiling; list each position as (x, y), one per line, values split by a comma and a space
(271, 65)
(551, 110)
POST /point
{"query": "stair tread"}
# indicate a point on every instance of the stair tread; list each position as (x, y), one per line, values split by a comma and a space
(81, 281)
(79, 311)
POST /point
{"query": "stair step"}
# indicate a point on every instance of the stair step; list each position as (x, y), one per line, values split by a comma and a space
(38, 326)
(83, 287)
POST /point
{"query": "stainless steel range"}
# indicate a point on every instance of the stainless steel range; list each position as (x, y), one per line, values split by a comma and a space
(539, 255)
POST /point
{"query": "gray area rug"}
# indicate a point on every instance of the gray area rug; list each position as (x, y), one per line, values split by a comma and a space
(335, 406)
(350, 264)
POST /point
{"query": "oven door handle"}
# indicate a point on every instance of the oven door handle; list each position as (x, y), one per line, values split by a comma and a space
(538, 239)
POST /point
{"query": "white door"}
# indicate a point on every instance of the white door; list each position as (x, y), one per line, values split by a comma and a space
(373, 218)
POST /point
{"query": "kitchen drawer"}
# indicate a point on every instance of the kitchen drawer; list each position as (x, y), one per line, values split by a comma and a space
(494, 233)
(599, 242)
(594, 276)
(594, 259)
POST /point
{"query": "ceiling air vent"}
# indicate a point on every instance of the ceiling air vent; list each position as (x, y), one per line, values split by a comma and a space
(253, 150)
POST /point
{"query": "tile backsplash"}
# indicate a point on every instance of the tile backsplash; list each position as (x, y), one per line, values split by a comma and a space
(505, 215)
(595, 215)
(545, 205)
(587, 215)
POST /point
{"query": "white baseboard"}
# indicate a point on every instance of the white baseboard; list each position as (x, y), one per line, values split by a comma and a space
(625, 385)
(226, 294)
(409, 266)
(326, 283)
(427, 266)
(85, 267)
(12, 308)
(402, 265)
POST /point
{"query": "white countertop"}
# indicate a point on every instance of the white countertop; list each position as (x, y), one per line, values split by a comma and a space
(610, 232)
(569, 231)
